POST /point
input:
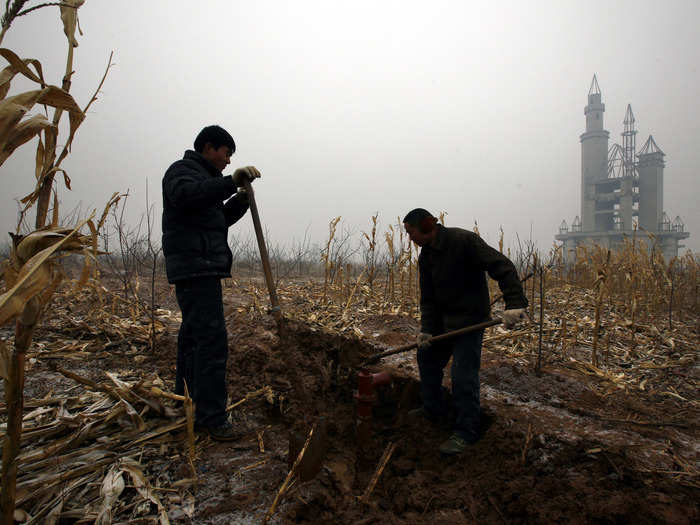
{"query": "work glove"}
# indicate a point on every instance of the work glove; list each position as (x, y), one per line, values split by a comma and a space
(249, 173)
(512, 317)
(242, 196)
(423, 339)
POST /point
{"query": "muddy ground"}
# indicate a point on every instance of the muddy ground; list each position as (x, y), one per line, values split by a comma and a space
(554, 449)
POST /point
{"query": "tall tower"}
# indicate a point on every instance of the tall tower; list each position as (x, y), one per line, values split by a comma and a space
(651, 186)
(594, 158)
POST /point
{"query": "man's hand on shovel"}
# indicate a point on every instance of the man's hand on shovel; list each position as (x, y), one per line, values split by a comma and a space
(512, 317)
(243, 175)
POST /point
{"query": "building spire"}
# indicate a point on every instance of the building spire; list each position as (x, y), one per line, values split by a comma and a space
(594, 89)
(629, 119)
(650, 146)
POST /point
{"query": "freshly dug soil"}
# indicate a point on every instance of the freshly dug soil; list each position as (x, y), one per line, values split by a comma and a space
(552, 450)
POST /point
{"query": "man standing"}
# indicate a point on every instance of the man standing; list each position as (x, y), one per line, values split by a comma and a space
(197, 257)
(454, 294)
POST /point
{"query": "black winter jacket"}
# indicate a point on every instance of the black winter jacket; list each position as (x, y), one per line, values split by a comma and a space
(453, 287)
(196, 220)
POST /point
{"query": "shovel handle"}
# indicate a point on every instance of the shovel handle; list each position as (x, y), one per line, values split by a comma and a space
(265, 258)
(441, 337)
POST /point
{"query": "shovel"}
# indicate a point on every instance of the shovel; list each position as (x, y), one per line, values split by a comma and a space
(276, 311)
(313, 458)
(442, 337)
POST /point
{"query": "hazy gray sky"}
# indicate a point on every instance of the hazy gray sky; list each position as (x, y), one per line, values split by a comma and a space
(352, 108)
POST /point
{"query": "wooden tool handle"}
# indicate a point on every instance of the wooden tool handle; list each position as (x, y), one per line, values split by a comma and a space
(441, 337)
(276, 311)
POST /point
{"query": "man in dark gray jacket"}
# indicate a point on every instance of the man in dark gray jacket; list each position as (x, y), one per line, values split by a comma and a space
(197, 257)
(454, 294)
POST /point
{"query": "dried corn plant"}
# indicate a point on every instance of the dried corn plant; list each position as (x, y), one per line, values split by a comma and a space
(327, 258)
(32, 272)
(599, 286)
(370, 254)
(391, 260)
(413, 292)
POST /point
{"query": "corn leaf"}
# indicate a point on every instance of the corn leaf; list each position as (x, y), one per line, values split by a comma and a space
(22, 133)
(144, 489)
(12, 110)
(44, 179)
(18, 65)
(134, 415)
(39, 162)
(69, 16)
(39, 240)
(114, 199)
(56, 97)
(90, 256)
(33, 274)
(33, 278)
(112, 487)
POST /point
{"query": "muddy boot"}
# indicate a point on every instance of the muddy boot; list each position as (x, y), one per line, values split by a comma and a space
(222, 432)
(454, 445)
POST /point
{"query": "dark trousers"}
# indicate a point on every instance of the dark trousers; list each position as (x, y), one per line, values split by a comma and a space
(465, 351)
(202, 348)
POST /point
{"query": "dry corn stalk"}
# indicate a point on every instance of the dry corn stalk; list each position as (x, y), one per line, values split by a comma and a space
(32, 275)
(391, 264)
(388, 451)
(371, 253)
(600, 285)
(31, 278)
(286, 483)
(326, 256)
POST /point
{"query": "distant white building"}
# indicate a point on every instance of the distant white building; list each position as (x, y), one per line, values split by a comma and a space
(621, 190)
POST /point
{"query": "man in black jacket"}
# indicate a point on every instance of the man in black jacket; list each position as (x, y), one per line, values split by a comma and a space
(454, 294)
(197, 257)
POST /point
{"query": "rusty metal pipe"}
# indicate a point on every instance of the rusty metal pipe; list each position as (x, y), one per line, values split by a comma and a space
(366, 397)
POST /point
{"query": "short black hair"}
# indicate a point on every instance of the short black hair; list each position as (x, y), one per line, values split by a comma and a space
(416, 217)
(216, 136)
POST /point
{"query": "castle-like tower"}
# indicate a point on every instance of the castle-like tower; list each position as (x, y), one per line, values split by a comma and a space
(621, 190)
(594, 153)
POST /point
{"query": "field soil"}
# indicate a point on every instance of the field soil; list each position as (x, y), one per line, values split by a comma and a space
(558, 446)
